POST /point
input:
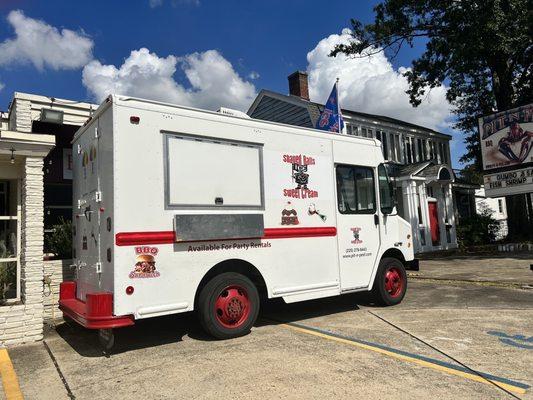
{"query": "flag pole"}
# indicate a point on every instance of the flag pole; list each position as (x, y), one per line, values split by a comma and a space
(338, 105)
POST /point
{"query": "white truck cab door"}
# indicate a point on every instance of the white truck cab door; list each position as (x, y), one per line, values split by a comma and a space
(358, 230)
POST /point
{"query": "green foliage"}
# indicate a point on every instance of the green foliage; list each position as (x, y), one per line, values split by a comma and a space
(482, 50)
(477, 230)
(471, 174)
(59, 242)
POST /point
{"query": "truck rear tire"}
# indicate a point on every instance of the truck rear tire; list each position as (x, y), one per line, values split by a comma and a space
(228, 305)
(390, 284)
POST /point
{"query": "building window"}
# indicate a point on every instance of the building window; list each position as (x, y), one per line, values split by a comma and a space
(392, 147)
(9, 241)
(500, 206)
(446, 159)
(350, 129)
(424, 150)
(398, 150)
(380, 135)
(408, 156)
(422, 233)
(355, 190)
(419, 209)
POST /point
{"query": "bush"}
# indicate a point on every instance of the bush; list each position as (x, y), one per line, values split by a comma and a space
(59, 241)
(477, 230)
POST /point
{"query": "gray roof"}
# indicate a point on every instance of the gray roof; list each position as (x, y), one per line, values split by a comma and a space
(430, 170)
(261, 109)
(409, 169)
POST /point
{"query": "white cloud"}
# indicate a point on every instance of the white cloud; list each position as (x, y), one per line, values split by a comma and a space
(212, 80)
(371, 85)
(155, 3)
(253, 75)
(2, 86)
(43, 45)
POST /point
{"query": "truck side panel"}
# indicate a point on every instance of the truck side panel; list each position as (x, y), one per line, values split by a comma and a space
(299, 200)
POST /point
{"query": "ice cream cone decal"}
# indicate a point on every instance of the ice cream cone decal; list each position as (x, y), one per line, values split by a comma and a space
(313, 211)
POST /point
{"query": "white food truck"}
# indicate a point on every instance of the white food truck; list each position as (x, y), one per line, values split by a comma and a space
(178, 209)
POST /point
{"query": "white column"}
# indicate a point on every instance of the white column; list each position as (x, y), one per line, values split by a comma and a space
(451, 215)
(31, 259)
(425, 215)
(410, 205)
(441, 210)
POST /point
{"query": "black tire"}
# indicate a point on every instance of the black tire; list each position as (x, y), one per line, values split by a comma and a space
(382, 291)
(242, 305)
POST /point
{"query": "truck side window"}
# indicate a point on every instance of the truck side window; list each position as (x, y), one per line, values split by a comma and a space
(385, 191)
(355, 190)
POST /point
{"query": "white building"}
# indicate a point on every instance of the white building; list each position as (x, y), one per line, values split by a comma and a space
(429, 195)
(496, 207)
(35, 189)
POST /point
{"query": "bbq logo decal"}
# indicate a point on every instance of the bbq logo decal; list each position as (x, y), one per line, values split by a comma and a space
(300, 176)
(356, 239)
(145, 262)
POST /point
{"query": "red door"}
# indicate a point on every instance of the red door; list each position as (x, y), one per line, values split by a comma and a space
(434, 222)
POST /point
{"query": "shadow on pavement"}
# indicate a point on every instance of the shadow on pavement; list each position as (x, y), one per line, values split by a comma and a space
(171, 329)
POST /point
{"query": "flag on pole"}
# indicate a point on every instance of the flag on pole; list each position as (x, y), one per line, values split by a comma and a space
(331, 118)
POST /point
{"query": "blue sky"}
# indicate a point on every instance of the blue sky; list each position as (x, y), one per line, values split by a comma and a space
(253, 44)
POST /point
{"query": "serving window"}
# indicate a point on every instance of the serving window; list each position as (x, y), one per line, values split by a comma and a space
(203, 173)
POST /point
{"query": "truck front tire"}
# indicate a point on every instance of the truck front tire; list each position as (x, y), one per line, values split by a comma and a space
(228, 305)
(390, 284)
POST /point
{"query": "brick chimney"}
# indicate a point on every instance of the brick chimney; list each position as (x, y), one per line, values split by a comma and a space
(298, 85)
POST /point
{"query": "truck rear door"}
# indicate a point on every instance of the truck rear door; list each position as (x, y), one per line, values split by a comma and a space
(357, 224)
(87, 197)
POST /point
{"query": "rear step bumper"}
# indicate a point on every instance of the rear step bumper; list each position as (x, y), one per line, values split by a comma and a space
(95, 313)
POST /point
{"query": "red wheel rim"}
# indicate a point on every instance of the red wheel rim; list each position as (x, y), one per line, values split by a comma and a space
(232, 306)
(393, 282)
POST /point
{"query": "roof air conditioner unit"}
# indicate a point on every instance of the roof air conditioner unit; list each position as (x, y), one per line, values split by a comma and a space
(232, 113)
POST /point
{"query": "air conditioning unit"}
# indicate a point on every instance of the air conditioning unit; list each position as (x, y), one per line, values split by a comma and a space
(232, 113)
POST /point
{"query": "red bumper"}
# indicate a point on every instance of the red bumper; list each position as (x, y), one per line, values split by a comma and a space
(95, 313)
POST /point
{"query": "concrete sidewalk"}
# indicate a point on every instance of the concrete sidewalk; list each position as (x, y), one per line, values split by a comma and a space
(504, 270)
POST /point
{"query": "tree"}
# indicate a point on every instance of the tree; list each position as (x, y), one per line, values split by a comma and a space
(482, 50)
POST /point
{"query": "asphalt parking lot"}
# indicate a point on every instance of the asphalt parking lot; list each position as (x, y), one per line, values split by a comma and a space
(456, 335)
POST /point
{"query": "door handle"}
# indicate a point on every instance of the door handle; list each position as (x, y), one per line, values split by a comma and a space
(376, 219)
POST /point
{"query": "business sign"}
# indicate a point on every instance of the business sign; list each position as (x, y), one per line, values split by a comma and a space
(509, 182)
(507, 138)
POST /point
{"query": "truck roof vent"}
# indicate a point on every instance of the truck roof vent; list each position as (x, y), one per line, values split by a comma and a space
(232, 113)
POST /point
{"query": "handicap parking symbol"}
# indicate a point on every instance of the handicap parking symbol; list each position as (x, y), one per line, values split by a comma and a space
(519, 341)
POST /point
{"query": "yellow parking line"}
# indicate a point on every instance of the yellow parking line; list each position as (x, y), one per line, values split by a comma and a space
(403, 357)
(10, 381)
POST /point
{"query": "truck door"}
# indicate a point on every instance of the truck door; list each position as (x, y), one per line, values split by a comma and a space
(357, 225)
(87, 198)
